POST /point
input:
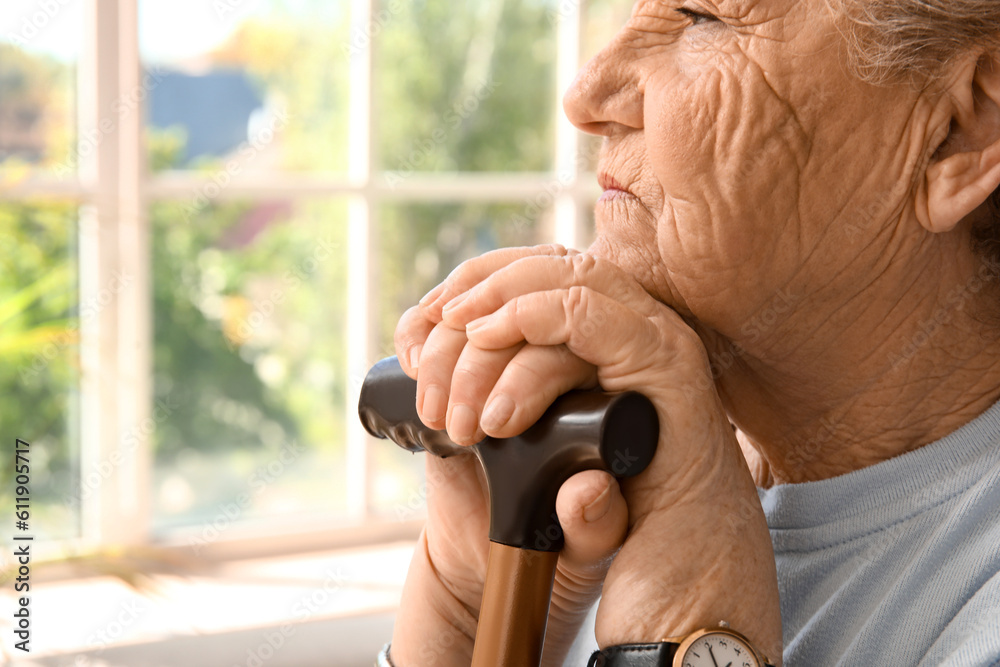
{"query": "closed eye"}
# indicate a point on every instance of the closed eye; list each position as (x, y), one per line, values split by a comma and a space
(697, 18)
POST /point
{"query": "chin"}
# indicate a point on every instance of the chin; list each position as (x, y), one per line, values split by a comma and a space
(633, 246)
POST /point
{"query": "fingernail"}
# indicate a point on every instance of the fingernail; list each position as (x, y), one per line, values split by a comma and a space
(428, 302)
(475, 325)
(455, 303)
(435, 403)
(462, 425)
(413, 357)
(598, 507)
(432, 296)
(497, 413)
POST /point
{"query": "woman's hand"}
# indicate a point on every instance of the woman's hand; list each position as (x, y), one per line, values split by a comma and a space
(436, 622)
(541, 321)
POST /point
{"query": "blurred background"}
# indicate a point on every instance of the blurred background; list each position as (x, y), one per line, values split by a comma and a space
(212, 213)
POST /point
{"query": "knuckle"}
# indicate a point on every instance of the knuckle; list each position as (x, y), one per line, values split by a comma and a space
(516, 312)
(442, 346)
(556, 249)
(533, 373)
(582, 266)
(469, 376)
(577, 303)
(582, 260)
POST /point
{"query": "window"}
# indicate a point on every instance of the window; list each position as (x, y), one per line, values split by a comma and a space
(211, 216)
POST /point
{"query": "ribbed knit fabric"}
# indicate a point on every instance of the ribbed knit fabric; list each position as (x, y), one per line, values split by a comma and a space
(895, 565)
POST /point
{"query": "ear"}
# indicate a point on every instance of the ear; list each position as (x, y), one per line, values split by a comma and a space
(965, 169)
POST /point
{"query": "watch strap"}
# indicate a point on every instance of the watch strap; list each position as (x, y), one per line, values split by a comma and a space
(660, 654)
(383, 658)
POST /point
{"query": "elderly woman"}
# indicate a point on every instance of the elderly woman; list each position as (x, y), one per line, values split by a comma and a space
(795, 261)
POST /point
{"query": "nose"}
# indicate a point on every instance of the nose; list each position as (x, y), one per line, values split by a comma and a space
(607, 94)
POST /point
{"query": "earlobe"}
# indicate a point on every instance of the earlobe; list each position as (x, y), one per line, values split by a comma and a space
(956, 186)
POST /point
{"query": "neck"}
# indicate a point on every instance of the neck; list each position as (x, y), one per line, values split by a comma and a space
(823, 406)
(806, 440)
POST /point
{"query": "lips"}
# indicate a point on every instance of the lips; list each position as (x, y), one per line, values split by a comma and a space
(613, 188)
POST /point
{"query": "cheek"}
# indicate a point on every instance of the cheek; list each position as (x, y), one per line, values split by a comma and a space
(727, 153)
(680, 116)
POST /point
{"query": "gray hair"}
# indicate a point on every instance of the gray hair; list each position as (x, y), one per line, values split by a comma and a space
(913, 39)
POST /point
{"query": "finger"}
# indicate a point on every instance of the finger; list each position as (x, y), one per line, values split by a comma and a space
(594, 519)
(533, 379)
(474, 375)
(473, 271)
(438, 356)
(458, 512)
(542, 273)
(593, 326)
(433, 295)
(411, 333)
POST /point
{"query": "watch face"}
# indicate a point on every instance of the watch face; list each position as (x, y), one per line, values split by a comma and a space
(719, 649)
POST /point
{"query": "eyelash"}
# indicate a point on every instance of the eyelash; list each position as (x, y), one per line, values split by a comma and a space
(696, 17)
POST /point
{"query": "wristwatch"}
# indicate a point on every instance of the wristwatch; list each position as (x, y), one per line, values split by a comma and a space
(708, 647)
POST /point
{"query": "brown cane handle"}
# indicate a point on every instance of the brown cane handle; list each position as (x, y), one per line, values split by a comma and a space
(582, 430)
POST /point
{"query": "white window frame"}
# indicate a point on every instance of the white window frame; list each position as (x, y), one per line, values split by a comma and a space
(115, 188)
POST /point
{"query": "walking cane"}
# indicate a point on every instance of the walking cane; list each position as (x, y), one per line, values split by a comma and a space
(580, 431)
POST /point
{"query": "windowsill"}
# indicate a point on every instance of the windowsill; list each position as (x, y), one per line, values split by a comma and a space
(314, 609)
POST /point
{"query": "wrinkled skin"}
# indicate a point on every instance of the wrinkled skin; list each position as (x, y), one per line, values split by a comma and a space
(773, 234)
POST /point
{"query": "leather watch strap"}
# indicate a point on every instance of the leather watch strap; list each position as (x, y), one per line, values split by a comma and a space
(635, 655)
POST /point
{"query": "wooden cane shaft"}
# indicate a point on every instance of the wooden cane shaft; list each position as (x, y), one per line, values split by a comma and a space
(515, 607)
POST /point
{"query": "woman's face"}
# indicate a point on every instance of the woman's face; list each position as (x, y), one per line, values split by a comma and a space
(757, 170)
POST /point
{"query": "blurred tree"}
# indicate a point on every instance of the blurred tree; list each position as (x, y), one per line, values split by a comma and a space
(39, 361)
(197, 367)
(466, 86)
(36, 107)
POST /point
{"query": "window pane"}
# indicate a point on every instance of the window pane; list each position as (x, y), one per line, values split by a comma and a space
(249, 316)
(466, 86)
(259, 87)
(419, 244)
(39, 48)
(39, 360)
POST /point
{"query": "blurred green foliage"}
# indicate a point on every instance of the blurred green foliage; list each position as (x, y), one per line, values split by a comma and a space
(35, 91)
(466, 86)
(39, 364)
